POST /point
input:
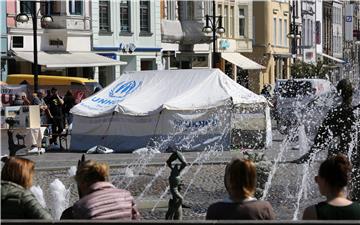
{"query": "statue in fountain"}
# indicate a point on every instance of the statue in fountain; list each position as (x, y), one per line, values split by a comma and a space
(175, 203)
(339, 124)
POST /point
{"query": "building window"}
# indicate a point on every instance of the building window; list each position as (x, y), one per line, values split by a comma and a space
(219, 10)
(26, 7)
(17, 41)
(226, 20)
(311, 32)
(51, 8)
(274, 30)
(280, 32)
(125, 17)
(171, 9)
(231, 30)
(144, 16)
(285, 33)
(241, 22)
(104, 16)
(76, 7)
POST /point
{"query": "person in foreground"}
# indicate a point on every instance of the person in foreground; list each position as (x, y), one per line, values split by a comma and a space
(332, 180)
(99, 199)
(17, 201)
(240, 183)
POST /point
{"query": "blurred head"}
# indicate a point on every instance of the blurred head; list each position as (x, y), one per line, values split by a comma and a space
(68, 93)
(90, 172)
(240, 178)
(23, 95)
(40, 93)
(18, 170)
(345, 89)
(53, 91)
(334, 174)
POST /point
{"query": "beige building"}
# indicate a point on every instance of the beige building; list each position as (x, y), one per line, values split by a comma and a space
(271, 47)
(237, 39)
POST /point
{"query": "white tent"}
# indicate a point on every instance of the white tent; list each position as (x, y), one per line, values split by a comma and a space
(168, 107)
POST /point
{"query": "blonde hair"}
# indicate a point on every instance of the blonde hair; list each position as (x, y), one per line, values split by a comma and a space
(91, 171)
(18, 170)
(240, 178)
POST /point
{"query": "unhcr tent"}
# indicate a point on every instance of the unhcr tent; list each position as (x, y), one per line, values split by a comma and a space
(189, 109)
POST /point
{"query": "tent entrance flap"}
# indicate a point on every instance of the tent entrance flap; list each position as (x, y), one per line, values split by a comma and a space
(69, 59)
(241, 61)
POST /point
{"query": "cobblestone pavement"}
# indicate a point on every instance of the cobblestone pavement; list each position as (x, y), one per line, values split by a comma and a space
(205, 180)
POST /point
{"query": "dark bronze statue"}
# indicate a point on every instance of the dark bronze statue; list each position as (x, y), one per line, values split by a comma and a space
(175, 203)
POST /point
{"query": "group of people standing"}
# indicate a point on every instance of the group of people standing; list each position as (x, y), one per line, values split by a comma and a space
(54, 110)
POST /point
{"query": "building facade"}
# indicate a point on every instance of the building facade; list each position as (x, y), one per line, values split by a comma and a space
(308, 42)
(185, 45)
(64, 45)
(128, 31)
(271, 44)
(3, 41)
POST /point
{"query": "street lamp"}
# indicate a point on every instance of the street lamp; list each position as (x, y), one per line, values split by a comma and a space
(213, 24)
(23, 18)
(294, 34)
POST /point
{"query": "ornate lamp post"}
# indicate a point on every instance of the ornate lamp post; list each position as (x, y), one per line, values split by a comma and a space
(22, 18)
(214, 25)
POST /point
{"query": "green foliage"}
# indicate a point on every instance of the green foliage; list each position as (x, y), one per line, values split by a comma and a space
(304, 70)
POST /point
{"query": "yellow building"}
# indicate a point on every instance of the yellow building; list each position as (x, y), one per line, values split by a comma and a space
(271, 47)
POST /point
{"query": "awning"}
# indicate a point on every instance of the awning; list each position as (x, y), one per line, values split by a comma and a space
(69, 59)
(241, 61)
(333, 58)
(282, 55)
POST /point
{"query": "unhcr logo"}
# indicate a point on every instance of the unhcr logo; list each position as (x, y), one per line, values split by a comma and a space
(119, 92)
(123, 89)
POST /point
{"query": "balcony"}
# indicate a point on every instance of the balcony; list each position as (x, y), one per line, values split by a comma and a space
(69, 23)
(184, 32)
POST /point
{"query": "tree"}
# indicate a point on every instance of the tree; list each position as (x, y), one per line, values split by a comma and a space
(305, 70)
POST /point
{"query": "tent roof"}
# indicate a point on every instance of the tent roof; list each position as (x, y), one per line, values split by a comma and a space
(148, 92)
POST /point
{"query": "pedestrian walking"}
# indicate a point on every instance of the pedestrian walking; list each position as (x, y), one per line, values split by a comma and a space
(56, 109)
(69, 102)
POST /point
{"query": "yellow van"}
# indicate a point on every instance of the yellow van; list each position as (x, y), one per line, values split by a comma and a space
(62, 83)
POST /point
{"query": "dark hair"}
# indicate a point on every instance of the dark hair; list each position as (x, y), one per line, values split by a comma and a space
(344, 87)
(53, 89)
(241, 175)
(336, 170)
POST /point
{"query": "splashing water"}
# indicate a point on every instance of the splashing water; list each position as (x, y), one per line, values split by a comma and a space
(39, 195)
(283, 146)
(148, 186)
(60, 198)
(72, 171)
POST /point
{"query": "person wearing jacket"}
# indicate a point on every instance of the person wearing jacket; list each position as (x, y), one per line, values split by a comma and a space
(17, 201)
(240, 183)
(99, 199)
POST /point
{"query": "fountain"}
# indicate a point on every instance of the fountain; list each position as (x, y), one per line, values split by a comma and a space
(288, 187)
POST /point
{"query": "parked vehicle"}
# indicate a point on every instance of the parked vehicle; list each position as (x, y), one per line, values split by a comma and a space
(62, 83)
(303, 101)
